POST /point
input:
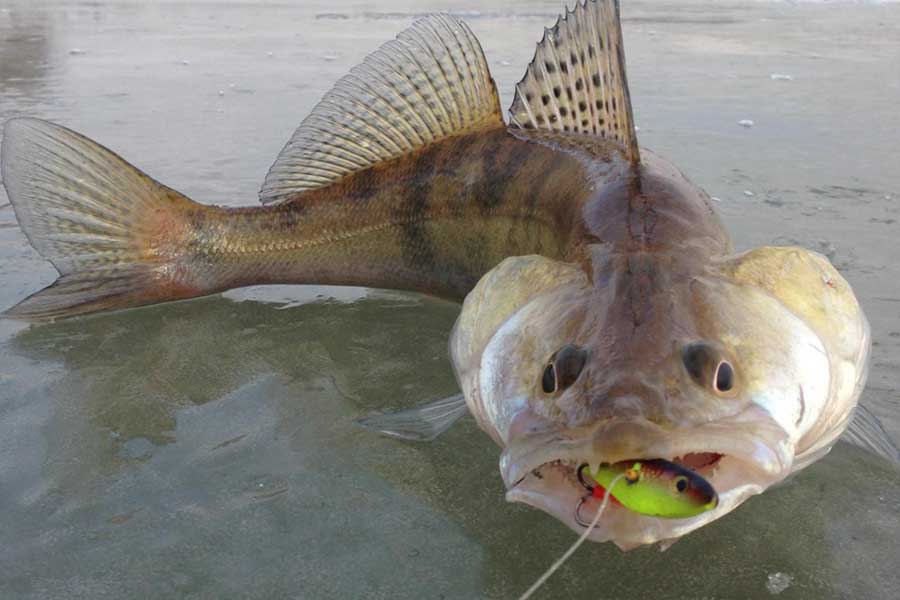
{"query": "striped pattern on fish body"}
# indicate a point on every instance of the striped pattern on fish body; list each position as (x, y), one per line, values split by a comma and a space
(432, 222)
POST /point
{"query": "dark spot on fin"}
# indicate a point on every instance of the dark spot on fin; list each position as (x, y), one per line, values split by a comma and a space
(596, 99)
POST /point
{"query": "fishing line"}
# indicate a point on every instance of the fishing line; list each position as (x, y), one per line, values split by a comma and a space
(578, 542)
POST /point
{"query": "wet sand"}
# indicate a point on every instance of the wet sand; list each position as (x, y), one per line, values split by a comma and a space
(207, 449)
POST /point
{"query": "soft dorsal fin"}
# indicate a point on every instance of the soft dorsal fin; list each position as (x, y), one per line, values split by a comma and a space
(576, 81)
(429, 83)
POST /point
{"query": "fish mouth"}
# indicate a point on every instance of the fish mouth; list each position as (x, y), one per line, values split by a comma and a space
(739, 457)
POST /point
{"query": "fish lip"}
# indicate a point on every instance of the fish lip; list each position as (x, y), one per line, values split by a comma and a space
(764, 447)
(756, 453)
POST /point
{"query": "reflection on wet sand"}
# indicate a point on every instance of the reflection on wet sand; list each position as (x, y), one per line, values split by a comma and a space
(258, 366)
(191, 353)
(25, 47)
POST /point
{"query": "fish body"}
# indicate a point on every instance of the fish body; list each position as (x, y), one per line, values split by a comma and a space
(432, 221)
(605, 316)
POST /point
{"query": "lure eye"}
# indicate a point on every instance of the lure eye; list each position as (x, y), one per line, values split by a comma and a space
(563, 368)
(681, 484)
(724, 377)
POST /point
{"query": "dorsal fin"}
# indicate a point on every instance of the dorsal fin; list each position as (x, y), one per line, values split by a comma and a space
(576, 81)
(429, 83)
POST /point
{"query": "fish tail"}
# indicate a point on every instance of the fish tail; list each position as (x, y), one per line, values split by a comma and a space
(115, 235)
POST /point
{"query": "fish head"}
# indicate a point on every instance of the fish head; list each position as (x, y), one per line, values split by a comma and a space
(714, 369)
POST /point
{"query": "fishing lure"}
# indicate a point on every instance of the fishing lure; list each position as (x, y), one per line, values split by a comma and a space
(655, 487)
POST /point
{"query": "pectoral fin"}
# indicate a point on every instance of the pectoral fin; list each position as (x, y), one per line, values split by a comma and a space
(422, 423)
(867, 432)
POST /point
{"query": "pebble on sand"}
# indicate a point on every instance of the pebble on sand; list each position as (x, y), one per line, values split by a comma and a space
(76, 51)
(781, 77)
(778, 582)
(748, 193)
(745, 123)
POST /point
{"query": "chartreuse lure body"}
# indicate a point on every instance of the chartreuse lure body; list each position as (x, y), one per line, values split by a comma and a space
(657, 488)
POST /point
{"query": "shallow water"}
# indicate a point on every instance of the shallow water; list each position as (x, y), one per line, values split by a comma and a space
(207, 449)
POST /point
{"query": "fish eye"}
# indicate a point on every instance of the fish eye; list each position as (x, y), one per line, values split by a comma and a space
(548, 380)
(707, 367)
(724, 379)
(681, 484)
(563, 368)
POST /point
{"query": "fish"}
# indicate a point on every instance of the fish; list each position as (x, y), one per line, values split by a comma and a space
(605, 314)
(657, 488)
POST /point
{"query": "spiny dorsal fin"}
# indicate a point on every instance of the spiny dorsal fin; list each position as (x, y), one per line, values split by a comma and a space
(576, 81)
(429, 83)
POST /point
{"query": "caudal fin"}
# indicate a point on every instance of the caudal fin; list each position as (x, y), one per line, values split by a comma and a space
(107, 227)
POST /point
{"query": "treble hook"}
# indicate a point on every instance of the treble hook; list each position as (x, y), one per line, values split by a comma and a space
(581, 502)
(594, 491)
(578, 511)
(581, 479)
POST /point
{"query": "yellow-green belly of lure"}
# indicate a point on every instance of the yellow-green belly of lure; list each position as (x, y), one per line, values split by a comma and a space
(655, 487)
